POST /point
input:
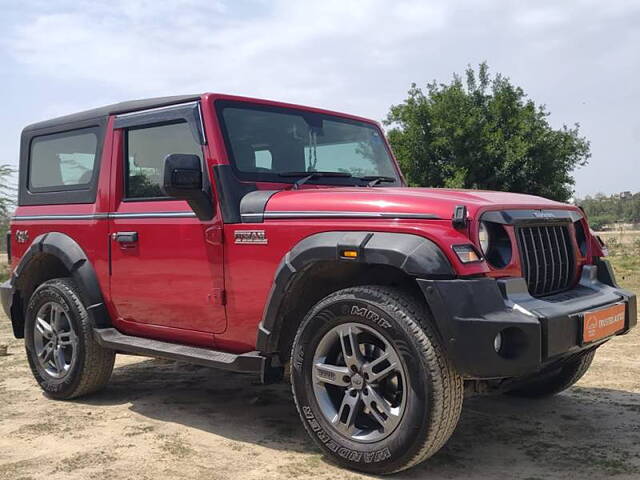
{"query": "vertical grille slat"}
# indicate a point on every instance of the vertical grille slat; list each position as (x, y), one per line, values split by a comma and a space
(525, 253)
(547, 258)
(545, 262)
(566, 255)
(560, 265)
(536, 262)
(553, 259)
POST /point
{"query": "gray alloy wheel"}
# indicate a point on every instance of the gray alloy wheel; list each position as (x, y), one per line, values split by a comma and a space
(359, 382)
(64, 357)
(54, 340)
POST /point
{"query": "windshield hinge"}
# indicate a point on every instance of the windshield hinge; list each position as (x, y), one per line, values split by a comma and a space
(459, 219)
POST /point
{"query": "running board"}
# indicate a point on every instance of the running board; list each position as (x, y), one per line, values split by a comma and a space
(251, 362)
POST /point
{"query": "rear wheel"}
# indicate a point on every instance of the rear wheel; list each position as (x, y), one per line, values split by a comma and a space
(371, 382)
(65, 359)
(555, 381)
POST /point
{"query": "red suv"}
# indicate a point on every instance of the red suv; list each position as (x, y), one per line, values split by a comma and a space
(268, 238)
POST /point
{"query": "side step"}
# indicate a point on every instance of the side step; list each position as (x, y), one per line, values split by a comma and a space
(251, 362)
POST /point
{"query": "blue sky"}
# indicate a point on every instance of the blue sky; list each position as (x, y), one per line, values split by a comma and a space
(580, 58)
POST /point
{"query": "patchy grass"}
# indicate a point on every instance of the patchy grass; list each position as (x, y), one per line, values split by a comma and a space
(139, 430)
(627, 269)
(84, 460)
(5, 270)
(174, 445)
(12, 470)
(625, 259)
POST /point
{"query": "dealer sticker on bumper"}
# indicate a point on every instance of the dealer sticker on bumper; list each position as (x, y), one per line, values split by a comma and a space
(603, 323)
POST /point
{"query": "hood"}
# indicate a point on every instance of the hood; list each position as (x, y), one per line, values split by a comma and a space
(418, 202)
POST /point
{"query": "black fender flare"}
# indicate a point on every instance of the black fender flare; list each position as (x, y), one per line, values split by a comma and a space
(75, 260)
(417, 256)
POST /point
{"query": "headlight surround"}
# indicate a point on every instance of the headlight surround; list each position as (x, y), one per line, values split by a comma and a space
(581, 237)
(495, 244)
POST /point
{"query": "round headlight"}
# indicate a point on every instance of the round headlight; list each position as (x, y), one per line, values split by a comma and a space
(483, 237)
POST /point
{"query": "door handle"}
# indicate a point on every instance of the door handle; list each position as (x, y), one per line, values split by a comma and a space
(125, 237)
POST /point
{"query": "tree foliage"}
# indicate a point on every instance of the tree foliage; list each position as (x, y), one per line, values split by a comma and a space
(7, 201)
(7, 191)
(483, 133)
(606, 210)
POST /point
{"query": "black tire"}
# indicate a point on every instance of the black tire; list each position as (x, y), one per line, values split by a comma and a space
(92, 364)
(434, 391)
(556, 381)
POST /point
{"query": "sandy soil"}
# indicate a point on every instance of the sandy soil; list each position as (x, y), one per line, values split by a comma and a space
(160, 420)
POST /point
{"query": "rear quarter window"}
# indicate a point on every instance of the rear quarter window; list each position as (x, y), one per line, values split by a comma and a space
(63, 161)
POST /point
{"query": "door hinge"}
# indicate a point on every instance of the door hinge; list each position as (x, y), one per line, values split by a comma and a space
(213, 235)
(218, 296)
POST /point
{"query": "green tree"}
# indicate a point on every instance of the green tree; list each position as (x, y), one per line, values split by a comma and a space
(7, 201)
(603, 210)
(483, 133)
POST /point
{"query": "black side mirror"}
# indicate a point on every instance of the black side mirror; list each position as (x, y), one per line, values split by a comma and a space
(184, 179)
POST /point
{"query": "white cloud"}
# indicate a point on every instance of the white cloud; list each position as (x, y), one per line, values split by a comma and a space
(296, 48)
(578, 57)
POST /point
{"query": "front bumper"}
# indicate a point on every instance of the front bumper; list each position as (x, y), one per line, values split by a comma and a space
(469, 313)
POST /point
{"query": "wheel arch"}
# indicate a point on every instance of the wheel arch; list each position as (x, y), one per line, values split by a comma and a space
(53, 255)
(316, 267)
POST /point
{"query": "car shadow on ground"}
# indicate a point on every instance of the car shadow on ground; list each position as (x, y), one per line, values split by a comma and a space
(588, 431)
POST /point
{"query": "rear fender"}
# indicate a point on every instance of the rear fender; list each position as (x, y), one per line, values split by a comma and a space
(75, 261)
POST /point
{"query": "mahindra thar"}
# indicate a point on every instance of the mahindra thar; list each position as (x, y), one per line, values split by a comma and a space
(273, 239)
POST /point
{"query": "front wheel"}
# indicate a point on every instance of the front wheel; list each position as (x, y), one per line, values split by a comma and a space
(555, 381)
(65, 359)
(371, 382)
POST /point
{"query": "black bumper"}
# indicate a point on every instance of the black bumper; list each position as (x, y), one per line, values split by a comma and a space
(537, 332)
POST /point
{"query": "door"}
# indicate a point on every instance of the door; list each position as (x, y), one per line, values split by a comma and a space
(166, 265)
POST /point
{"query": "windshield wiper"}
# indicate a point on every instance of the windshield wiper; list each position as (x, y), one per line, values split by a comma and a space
(306, 176)
(376, 179)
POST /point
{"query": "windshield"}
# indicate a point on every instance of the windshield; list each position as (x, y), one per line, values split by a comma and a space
(275, 144)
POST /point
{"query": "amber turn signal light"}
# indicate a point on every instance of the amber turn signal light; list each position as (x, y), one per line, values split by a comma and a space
(466, 253)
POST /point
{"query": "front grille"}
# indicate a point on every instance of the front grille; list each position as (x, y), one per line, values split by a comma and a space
(547, 258)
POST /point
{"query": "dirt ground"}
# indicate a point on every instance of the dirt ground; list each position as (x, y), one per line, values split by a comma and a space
(165, 420)
(621, 236)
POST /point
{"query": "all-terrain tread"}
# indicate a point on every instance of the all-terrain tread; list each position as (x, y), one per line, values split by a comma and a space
(447, 392)
(551, 384)
(447, 384)
(98, 361)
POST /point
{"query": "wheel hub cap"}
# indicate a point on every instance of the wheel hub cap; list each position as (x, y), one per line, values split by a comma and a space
(357, 381)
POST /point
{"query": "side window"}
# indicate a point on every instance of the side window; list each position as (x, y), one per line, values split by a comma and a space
(146, 149)
(63, 161)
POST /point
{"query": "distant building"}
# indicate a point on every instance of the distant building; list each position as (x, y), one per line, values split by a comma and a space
(626, 195)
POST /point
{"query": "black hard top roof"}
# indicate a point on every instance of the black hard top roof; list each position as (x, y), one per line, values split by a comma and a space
(116, 108)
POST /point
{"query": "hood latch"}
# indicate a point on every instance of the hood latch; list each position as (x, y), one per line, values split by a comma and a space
(459, 219)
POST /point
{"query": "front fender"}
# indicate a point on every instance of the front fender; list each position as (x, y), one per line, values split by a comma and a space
(413, 254)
